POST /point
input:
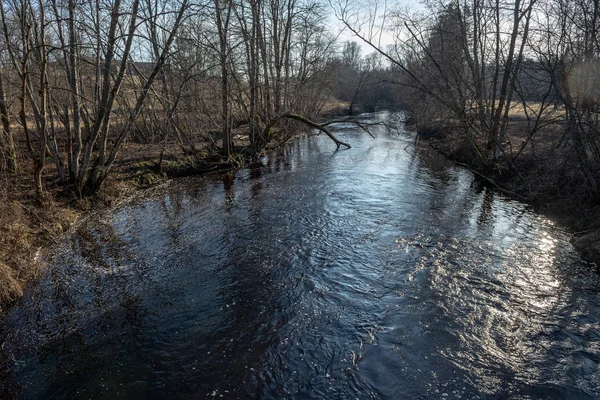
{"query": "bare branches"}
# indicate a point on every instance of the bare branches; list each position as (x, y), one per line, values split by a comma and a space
(365, 126)
(320, 127)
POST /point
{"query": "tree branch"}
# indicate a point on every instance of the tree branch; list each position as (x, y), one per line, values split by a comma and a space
(320, 127)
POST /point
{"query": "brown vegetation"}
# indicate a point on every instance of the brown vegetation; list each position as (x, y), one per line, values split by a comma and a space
(29, 227)
(26, 229)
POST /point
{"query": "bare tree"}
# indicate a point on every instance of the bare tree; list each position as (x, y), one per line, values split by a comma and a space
(223, 14)
(8, 151)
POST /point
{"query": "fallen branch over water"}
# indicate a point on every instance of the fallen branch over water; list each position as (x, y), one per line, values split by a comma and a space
(323, 126)
(320, 127)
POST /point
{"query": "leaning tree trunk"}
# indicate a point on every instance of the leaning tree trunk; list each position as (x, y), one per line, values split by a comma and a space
(40, 160)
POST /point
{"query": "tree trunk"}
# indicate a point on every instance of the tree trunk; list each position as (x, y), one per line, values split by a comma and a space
(75, 139)
(40, 160)
(223, 27)
(7, 143)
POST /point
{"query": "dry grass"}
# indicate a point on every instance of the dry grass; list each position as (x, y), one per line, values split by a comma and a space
(10, 288)
(516, 110)
(26, 229)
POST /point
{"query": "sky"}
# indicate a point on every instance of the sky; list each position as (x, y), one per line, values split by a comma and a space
(384, 37)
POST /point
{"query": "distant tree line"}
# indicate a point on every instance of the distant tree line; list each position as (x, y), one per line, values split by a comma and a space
(365, 82)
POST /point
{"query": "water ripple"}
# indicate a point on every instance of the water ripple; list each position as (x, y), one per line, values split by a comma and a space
(367, 273)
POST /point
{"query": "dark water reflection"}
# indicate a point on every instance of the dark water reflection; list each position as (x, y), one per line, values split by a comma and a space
(368, 273)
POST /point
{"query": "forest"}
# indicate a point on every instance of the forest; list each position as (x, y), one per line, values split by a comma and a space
(510, 89)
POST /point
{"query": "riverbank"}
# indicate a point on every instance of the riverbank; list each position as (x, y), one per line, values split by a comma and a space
(28, 228)
(545, 174)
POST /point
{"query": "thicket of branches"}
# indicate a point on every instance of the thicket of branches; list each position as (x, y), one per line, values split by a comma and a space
(475, 64)
(80, 78)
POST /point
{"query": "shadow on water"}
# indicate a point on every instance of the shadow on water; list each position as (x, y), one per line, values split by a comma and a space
(375, 272)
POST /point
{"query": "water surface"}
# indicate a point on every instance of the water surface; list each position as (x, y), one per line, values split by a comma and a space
(374, 272)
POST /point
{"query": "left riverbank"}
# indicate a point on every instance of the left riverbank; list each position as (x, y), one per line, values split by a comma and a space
(28, 227)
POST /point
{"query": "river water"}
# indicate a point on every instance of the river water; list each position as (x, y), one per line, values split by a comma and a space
(375, 272)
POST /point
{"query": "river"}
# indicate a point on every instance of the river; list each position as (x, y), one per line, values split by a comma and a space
(376, 272)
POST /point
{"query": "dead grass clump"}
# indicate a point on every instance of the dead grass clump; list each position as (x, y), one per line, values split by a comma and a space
(10, 289)
(24, 231)
(16, 248)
